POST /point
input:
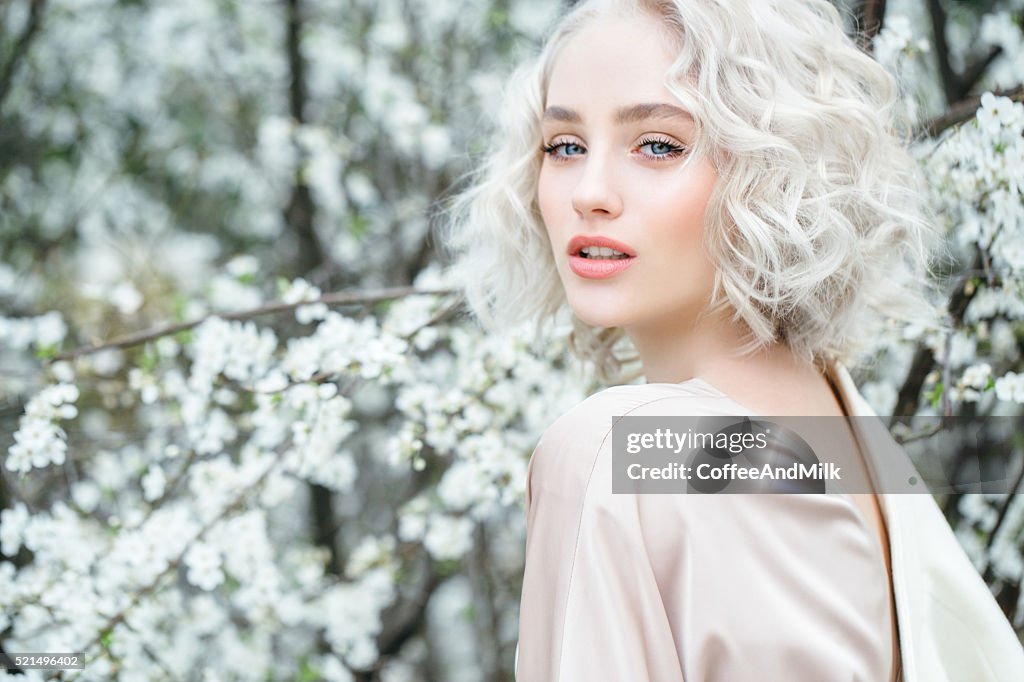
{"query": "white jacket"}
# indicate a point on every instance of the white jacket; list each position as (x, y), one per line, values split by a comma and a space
(592, 554)
(950, 626)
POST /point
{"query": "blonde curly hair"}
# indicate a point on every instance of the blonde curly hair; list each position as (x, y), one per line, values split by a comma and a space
(817, 225)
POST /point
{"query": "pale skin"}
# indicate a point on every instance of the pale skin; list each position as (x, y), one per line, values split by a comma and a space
(627, 180)
(613, 171)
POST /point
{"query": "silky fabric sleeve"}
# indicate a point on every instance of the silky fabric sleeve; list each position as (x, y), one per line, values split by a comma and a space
(689, 587)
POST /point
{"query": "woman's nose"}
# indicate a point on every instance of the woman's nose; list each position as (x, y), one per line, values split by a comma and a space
(597, 192)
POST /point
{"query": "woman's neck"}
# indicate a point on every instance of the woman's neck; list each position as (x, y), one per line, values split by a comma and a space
(710, 349)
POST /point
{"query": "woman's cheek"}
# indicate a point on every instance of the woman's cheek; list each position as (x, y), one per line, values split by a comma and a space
(545, 201)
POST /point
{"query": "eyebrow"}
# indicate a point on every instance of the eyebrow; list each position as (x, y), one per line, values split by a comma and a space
(630, 114)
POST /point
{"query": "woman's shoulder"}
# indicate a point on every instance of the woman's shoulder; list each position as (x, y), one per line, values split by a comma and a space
(575, 438)
(692, 397)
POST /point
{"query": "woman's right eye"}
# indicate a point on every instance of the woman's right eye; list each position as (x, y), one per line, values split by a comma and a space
(560, 150)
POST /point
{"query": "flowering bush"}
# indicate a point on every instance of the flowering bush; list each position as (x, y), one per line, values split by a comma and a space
(271, 482)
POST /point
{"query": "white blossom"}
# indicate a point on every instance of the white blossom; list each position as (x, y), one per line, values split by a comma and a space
(301, 290)
(204, 566)
(39, 441)
(45, 330)
(12, 524)
(370, 552)
(126, 298)
(153, 483)
(448, 537)
(244, 265)
(86, 494)
(895, 38)
(145, 384)
(351, 613)
(229, 294)
(977, 375)
(1010, 387)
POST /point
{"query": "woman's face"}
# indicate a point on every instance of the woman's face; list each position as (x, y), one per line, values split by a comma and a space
(615, 141)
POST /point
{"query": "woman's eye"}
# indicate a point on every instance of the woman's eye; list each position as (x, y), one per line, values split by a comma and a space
(560, 150)
(661, 149)
(651, 148)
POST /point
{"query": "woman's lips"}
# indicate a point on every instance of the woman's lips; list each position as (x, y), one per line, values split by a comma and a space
(599, 268)
(581, 241)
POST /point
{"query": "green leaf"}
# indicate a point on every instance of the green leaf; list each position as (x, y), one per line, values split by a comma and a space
(46, 352)
(358, 225)
(447, 567)
(935, 397)
(307, 673)
(497, 18)
(147, 363)
(179, 304)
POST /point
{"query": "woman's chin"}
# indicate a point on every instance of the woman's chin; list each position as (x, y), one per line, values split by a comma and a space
(599, 316)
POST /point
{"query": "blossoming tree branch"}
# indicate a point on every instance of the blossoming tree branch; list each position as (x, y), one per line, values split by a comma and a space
(211, 469)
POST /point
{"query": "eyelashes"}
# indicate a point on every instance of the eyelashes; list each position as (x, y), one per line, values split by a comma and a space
(673, 149)
(669, 150)
(554, 146)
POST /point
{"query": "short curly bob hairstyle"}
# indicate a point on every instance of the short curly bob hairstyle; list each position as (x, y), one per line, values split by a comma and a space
(817, 225)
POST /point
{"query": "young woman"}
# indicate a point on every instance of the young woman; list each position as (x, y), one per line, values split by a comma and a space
(717, 184)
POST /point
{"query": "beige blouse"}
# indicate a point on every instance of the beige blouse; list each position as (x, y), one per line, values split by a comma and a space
(730, 588)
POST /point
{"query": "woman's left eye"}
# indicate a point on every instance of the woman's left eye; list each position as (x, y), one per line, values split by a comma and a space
(661, 149)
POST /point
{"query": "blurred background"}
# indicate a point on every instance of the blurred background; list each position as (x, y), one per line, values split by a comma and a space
(332, 488)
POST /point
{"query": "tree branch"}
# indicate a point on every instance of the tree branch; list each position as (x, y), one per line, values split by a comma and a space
(924, 358)
(403, 620)
(337, 298)
(28, 33)
(956, 85)
(1002, 514)
(868, 18)
(974, 71)
(962, 111)
(948, 76)
(300, 214)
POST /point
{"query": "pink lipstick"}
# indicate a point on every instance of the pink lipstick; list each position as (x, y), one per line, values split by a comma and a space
(595, 257)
